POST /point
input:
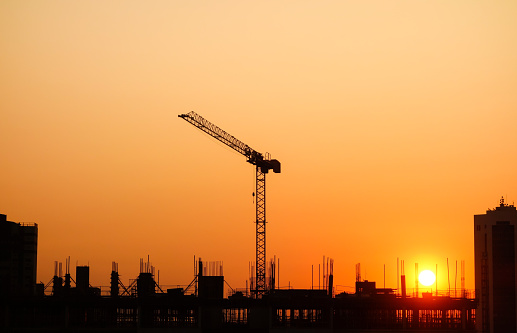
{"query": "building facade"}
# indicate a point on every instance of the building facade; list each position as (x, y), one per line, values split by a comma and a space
(18, 257)
(495, 269)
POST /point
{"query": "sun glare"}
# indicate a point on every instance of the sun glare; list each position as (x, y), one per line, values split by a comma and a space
(426, 278)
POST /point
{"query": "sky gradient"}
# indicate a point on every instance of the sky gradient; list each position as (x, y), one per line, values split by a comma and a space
(394, 122)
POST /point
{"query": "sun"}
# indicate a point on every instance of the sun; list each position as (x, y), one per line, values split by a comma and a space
(426, 278)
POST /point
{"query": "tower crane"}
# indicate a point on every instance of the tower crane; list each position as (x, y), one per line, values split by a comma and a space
(262, 166)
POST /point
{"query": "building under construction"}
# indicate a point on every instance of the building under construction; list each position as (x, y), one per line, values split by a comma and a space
(68, 304)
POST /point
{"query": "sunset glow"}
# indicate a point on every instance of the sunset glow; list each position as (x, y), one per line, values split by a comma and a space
(394, 122)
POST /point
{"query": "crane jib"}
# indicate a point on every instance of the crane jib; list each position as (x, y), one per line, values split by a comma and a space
(214, 131)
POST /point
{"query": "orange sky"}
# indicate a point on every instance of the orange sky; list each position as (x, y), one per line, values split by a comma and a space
(394, 122)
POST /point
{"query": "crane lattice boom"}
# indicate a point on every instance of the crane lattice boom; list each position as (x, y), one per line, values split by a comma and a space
(262, 167)
(214, 131)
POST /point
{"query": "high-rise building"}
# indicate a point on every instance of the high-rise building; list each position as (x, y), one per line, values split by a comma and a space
(18, 257)
(495, 269)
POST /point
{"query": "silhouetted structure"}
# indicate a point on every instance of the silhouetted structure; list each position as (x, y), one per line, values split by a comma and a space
(74, 305)
(18, 257)
(495, 265)
(307, 310)
(262, 167)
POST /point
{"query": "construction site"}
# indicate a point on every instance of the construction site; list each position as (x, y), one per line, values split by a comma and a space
(67, 304)
(208, 303)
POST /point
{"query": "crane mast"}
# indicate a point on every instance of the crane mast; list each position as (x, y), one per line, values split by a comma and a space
(262, 166)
